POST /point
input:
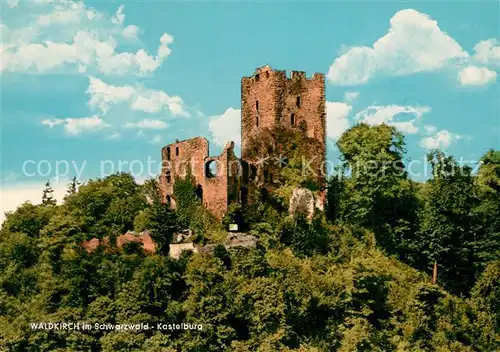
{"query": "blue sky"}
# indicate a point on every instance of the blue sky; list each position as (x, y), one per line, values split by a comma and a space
(89, 82)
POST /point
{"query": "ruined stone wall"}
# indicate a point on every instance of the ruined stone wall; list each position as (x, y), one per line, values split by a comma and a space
(221, 188)
(218, 189)
(178, 158)
(142, 238)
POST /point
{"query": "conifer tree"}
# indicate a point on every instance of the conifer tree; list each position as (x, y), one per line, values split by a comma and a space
(72, 186)
(48, 195)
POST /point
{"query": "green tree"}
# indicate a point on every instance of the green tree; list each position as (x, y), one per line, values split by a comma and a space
(72, 186)
(446, 232)
(378, 194)
(487, 211)
(486, 292)
(159, 218)
(48, 195)
(28, 218)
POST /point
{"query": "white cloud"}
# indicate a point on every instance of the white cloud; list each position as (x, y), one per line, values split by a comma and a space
(226, 127)
(52, 122)
(131, 31)
(376, 114)
(114, 135)
(476, 76)
(12, 3)
(349, 97)
(70, 36)
(154, 101)
(337, 119)
(103, 95)
(147, 124)
(119, 17)
(414, 43)
(430, 129)
(15, 194)
(157, 139)
(439, 140)
(75, 126)
(487, 52)
(61, 15)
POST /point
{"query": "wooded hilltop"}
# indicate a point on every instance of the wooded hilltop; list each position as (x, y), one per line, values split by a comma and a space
(355, 277)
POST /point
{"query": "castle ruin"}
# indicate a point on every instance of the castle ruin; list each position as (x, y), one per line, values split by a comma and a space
(270, 101)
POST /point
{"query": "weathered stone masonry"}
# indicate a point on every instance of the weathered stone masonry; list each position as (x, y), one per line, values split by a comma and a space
(216, 189)
(269, 99)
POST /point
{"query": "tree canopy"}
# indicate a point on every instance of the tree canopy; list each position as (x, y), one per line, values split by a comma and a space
(355, 277)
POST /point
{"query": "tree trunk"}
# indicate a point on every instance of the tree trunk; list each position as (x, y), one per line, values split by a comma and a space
(434, 273)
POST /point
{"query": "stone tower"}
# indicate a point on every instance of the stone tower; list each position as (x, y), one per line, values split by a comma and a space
(270, 99)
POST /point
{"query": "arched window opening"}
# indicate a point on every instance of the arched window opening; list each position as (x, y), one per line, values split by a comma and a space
(257, 105)
(211, 169)
(168, 153)
(176, 150)
(292, 120)
(298, 102)
(257, 121)
(253, 172)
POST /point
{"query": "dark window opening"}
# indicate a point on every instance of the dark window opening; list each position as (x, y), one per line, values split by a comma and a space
(176, 150)
(264, 194)
(292, 119)
(168, 177)
(199, 193)
(298, 102)
(257, 121)
(257, 105)
(244, 195)
(245, 172)
(253, 172)
(267, 74)
(169, 199)
(257, 77)
(168, 153)
(266, 176)
(211, 169)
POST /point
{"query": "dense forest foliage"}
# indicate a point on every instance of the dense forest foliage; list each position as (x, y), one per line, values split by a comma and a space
(356, 277)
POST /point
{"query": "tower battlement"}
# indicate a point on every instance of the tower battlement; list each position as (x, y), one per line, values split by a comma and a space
(266, 71)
